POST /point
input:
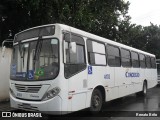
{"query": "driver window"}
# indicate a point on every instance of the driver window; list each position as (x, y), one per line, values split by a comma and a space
(75, 62)
(79, 56)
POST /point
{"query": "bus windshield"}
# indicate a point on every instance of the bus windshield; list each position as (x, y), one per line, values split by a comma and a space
(35, 60)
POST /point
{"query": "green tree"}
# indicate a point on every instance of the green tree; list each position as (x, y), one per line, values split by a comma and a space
(143, 38)
(7, 10)
(99, 17)
(152, 44)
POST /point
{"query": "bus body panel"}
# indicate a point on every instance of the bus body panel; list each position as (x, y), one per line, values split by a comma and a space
(44, 106)
(78, 89)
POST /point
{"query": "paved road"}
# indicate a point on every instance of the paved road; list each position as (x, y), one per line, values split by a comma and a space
(125, 109)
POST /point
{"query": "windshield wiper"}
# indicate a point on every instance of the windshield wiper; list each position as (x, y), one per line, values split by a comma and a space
(37, 50)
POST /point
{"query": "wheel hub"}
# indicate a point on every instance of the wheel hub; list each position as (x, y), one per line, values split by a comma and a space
(96, 101)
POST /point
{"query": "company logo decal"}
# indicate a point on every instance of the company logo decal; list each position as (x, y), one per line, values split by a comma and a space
(132, 74)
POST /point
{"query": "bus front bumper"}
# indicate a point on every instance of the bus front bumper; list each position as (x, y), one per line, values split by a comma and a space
(51, 106)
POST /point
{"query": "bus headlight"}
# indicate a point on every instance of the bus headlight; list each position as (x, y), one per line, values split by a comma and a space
(11, 92)
(51, 93)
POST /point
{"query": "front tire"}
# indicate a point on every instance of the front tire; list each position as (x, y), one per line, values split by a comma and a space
(96, 101)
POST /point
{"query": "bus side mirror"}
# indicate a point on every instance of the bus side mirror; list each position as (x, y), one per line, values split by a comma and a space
(73, 47)
(3, 50)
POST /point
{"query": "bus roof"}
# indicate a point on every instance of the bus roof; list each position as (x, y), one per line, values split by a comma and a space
(95, 37)
(91, 36)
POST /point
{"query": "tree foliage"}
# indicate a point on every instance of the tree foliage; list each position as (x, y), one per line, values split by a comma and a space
(106, 18)
(99, 17)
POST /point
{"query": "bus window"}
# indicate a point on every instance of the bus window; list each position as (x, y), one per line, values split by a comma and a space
(77, 57)
(113, 54)
(46, 65)
(135, 59)
(153, 62)
(75, 62)
(148, 62)
(126, 58)
(96, 53)
(158, 69)
(142, 61)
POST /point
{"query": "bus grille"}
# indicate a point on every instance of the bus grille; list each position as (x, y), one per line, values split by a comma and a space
(28, 88)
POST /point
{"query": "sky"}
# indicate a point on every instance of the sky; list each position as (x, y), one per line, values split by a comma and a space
(143, 12)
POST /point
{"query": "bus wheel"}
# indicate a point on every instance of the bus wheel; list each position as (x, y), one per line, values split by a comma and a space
(144, 90)
(96, 101)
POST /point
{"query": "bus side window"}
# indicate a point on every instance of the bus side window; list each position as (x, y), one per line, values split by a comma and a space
(142, 61)
(126, 58)
(148, 62)
(96, 53)
(75, 62)
(135, 59)
(153, 62)
(113, 54)
(158, 68)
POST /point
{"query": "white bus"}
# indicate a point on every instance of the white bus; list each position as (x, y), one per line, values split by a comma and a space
(58, 68)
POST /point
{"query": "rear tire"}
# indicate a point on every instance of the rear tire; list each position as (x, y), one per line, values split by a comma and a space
(96, 101)
(144, 90)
